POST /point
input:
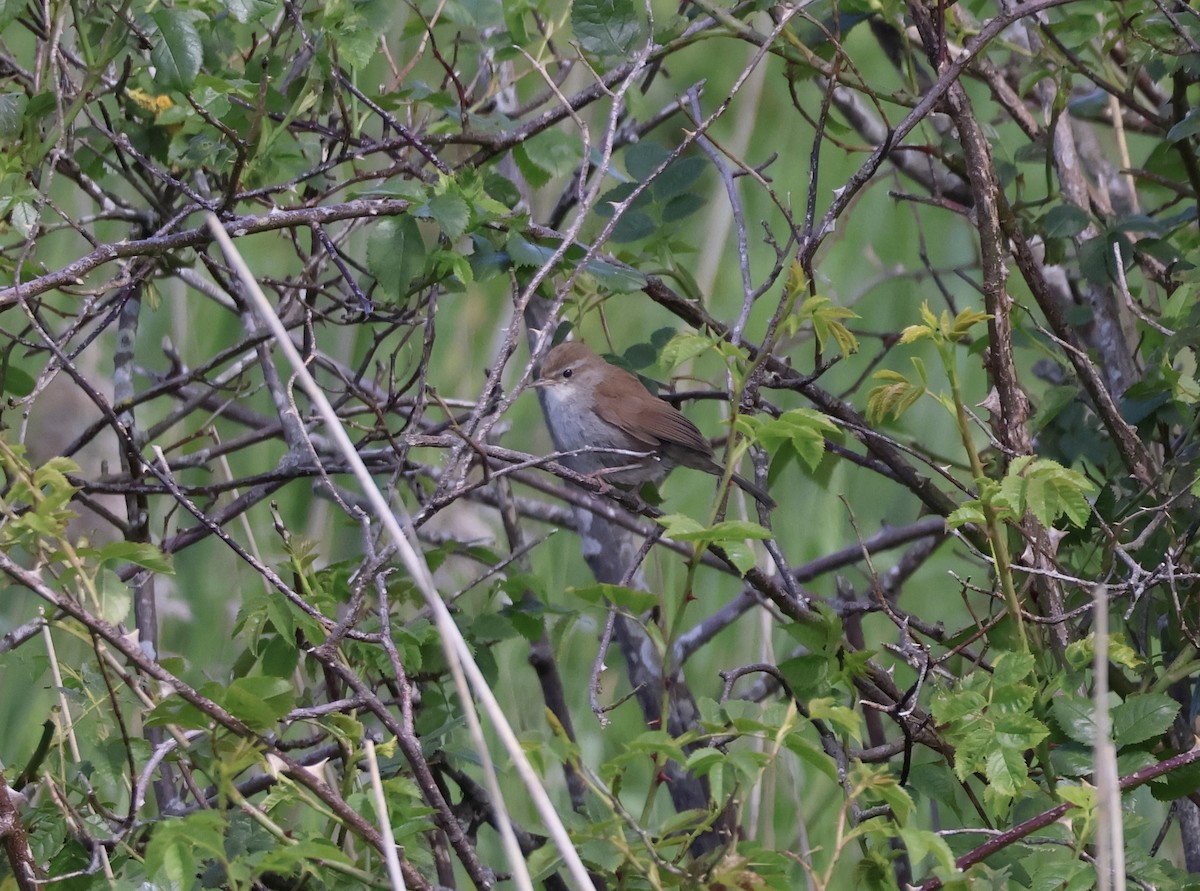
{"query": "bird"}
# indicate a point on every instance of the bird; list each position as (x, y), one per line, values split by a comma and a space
(591, 403)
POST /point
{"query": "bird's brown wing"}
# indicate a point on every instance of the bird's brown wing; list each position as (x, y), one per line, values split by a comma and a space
(650, 420)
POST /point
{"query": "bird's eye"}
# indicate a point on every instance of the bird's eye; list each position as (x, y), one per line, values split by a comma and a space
(567, 372)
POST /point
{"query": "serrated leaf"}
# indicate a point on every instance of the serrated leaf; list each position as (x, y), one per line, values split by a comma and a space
(893, 398)
(550, 153)
(525, 253)
(964, 321)
(806, 674)
(827, 709)
(1081, 653)
(115, 597)
(246, 11)
(685, 347)
(178, 712)
(740, 554)
(826, 318)
(1080, 796)
(920, 843)
(258, 700)
(395, 255)
(729, 530)
(804, 430)
(12, 110)
(171, 854)
(954, 705)
(1177, 783)
(1065, 221)
(15, 382)
(629, 599)
(1047, 490)
(287, 858)
(606, 28)
(679, 179)
(139, 553)
(894, 796)
(355, 28)
(1019, 731)
(702, 761)
(451, 213)
(24, 218)
(1189, 126)
(1006, 770)
(1073, 715)
(1011, 668)
(1141, 717)
(810, 753)
(618, 279)
(176, 50)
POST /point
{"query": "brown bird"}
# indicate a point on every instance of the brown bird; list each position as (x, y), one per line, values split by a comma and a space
(593, 403)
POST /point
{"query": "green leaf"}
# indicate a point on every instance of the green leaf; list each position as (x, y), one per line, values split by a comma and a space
(1177, 783)
(893, 397)
(827, 709)
(177, 711)
(171, 855)
(606, 28)
(259, 701)
(923, 842)
(804, 430)
(285, 859)
(1073, 715)
(12, 111)
(702, 761)
(826, 319)
(1080, 796)
(1080, 653)
(628, 599)
(451, 212)
(10, 9)
(1065, 221)
(729, 530)
(820, 633)
(1047, 490)
(525, 253)
(730, 536)
(643, 158)
(618, 279)
(15, 382)
(550, 153)
(809, 752)
(1141, 717)
(24, 218)
(1011, 667)
(679, 179)
(682, 206)
(139, 553)
(684, 347)
(1006, 770)
(1189, 126)
(806, 675)
(355, 28)
(740, 554)
(970, 512)
(176, 50)
(960, 327)
(115, 597)
(395, 255)
(246, 11)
